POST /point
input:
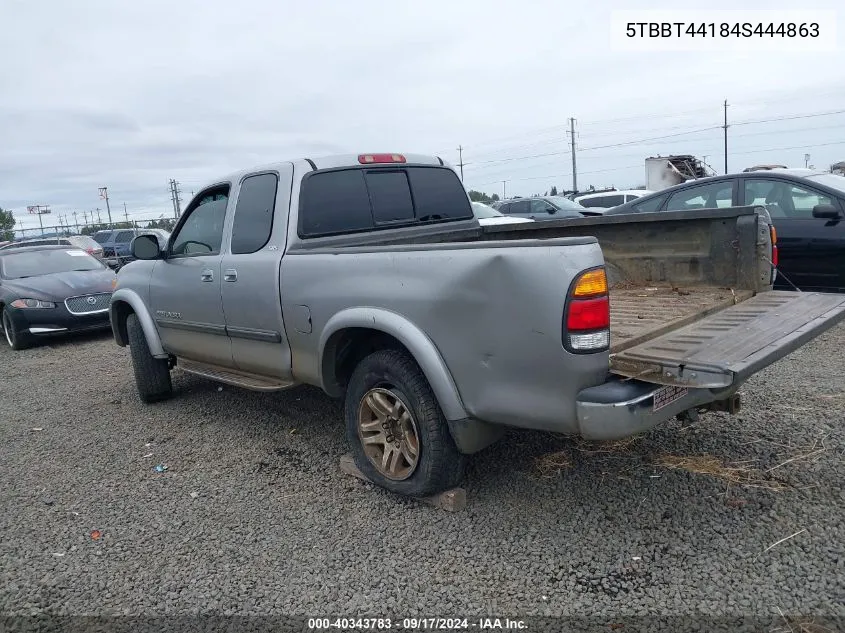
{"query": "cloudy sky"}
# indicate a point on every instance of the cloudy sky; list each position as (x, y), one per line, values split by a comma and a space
(130, 94)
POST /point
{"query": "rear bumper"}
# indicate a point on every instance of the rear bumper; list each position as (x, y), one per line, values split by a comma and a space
(621, 408)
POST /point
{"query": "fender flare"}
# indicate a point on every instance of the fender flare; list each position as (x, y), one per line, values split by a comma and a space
(416, 341)
(131, 298)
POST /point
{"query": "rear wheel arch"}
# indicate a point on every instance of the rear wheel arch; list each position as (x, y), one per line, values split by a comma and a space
(352, 337)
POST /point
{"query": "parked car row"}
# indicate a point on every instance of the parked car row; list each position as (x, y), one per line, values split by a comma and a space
(84, 242)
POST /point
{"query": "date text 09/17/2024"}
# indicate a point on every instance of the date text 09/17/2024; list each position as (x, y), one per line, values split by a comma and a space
(416, 624)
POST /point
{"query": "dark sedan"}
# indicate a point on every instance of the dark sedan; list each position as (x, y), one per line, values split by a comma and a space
(543, 208)
(48, 290)
(807, 208)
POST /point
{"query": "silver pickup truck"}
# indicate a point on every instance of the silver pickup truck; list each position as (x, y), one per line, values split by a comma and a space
(367, 276)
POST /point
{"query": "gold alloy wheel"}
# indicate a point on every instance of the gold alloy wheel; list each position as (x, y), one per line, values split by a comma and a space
(388, 433)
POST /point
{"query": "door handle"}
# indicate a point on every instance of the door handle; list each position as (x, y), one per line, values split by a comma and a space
(230, 275)
(207, 275)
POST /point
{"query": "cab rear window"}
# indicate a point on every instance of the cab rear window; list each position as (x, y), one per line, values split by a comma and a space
(350, 200)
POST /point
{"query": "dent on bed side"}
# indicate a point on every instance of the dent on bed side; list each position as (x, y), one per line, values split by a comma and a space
(415, 341)
(126, 297)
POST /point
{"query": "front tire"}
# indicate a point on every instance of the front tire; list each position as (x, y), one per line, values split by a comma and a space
(399, 438)
(16, 339)
(152, 375)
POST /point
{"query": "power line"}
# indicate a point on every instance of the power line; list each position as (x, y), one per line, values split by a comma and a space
(781, 149)
(791, 118)
(583, 173)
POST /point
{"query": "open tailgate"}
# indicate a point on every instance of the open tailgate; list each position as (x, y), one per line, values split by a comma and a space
(725, 348)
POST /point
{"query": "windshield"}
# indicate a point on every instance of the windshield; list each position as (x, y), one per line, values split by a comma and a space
(46, 262)
(481, 210)
(564, 203)
(831, 180)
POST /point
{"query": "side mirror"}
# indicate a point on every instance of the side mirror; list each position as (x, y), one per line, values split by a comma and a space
(826, 212)
(145, 247)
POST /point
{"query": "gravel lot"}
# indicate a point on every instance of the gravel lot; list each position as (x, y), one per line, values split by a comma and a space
(253, 516)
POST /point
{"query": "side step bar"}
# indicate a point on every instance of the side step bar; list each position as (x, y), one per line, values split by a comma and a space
(233, 377)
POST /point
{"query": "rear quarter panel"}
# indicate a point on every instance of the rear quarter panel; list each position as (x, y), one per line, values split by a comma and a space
(493, 310)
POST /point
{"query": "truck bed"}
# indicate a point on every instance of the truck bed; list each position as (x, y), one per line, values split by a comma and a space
(639, 313)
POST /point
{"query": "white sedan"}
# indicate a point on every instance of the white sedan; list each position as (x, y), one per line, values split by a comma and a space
(488, 215)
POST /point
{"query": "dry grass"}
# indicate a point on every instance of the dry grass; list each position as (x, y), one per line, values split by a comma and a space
(553, 463)
(738, 473)
(614, 447)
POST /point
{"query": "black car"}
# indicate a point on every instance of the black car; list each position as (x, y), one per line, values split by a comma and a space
(807, 208)
(48, 290)
(544, 208)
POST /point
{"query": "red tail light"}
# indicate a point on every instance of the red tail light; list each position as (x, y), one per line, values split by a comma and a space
(369, 159)
(588, 314)
(774, 234)
(89, 250)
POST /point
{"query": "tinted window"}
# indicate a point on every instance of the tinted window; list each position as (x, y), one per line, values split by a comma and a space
(540, 206)
(390, 196)
(254, 213)
(46, 262)
(521, 206)
(335, 202)
(783, 199)
(102, 238)
(649, 206)
(124, 236)
(202, 232)
(350, 200)
(713, 195)
(438, 192)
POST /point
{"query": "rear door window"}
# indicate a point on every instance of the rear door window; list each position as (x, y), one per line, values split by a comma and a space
(123, 236)
(714, 195)
(254, 213)
(519, 207)
(649, 206)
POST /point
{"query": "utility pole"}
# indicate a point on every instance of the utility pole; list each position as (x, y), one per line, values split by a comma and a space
(806, 160)
(461, 161)
(726, 135)
(85, 217)
(39, 210)
(174, 198)
(75, 222)
(99, 221)
(125, 212)
(572, 145)
(504, 189)
(104, 193)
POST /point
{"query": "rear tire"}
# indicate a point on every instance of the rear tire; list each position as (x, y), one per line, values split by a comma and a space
(399, 438)
(16, 339)
(152, 375)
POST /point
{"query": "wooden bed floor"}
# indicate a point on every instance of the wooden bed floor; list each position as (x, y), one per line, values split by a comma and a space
(638, 314)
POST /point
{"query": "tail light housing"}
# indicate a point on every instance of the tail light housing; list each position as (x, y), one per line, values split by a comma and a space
(372, 159)
(774, 234)
(586, 318)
